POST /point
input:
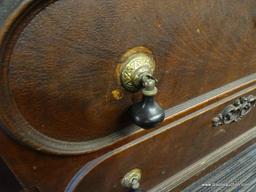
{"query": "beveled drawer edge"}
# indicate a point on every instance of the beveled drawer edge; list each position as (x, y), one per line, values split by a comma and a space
(212, 96)
(50, 145)
(182, 111)
(226, 149)
(10, 14)
(202, 164)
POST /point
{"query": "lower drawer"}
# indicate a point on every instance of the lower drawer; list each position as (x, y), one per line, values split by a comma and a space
(162, 153)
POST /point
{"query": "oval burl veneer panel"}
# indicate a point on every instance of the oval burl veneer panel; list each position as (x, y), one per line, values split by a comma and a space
(59, 63)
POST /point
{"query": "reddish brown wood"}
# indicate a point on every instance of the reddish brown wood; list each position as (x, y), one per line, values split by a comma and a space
(62, 68)
(161, 154)
(59, 76)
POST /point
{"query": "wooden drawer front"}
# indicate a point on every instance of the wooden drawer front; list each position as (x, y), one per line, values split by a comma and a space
(59, 79)
(61, 93)
(166, 151)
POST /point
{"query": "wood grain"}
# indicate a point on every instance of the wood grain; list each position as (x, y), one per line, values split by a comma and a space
(162, 153)
(60, 92)
(63, 58)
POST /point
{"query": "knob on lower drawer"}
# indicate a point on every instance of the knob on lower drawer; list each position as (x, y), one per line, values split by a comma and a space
(131, 180)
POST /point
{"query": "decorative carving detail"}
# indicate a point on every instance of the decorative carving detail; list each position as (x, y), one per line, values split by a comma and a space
(236, 111)
(140, 61)
(135, 62)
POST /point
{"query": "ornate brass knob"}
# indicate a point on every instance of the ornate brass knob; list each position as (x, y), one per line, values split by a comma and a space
(137, 74)
(131, 180)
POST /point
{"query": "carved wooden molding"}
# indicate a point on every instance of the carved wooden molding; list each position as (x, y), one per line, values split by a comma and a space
(236, 111)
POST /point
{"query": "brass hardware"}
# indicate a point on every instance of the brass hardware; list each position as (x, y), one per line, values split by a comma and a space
(131, 179)
(149, 85)
(135, 63)
(136, 73)
(235, 112)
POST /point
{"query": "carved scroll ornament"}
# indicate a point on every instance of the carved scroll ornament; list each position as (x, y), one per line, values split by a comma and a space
(236, 111)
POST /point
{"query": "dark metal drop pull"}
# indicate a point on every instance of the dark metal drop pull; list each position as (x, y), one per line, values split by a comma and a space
(136, 73)
(148, 112)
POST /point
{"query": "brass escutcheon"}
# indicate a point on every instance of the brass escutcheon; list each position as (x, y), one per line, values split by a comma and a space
(131, 179)
(135, 63)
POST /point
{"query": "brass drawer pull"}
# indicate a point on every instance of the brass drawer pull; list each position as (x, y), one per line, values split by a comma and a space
(236, 111)
(131, 180)
(136, 73)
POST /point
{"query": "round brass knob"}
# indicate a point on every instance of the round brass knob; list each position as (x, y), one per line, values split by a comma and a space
(137, 74)
(131, 180)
